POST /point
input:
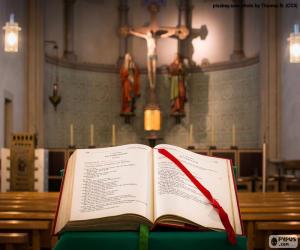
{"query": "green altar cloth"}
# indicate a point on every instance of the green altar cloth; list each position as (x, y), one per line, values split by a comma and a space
(157, 241)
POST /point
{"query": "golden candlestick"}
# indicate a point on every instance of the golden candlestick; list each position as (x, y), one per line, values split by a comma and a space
(233, 135)
(71, 136)
(212, 135)
(191, 135)
(264, 167)
(91, 135)
(113, 136)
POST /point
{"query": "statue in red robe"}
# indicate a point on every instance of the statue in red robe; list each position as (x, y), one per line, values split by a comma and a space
(177, 86)
(130, 78)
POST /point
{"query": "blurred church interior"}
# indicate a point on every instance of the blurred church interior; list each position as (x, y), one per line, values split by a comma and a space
(61, 89)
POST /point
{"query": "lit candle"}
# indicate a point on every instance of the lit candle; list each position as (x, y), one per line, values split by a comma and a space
(113, 137)
(233, 135)
(264, 167)
(191, 135)
(71, 134)
(92, 134)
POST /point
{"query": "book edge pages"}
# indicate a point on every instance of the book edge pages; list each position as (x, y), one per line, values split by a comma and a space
(235, 196)
(58, 209)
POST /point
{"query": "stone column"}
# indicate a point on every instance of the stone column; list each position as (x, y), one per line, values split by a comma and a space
(69, 53)
(238, 42)
(123, 21)
(271, 83)
(35, 71)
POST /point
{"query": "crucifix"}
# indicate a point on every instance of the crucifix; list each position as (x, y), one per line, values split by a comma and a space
(151, 33)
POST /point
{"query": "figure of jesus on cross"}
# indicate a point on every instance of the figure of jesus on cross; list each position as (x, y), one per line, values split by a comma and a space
(150, 38)
(151, 33)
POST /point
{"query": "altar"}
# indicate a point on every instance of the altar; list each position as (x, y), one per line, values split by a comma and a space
(157, 240)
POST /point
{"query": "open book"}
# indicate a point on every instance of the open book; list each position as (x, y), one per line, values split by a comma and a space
(118, 188)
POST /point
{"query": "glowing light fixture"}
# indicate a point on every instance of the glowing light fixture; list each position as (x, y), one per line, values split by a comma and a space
(152, 118)
(11, 39)
(294, 40)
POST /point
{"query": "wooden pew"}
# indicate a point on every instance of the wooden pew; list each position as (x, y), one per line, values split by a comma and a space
(268, 228)
(30, 212)
(263, 213)
(260, 212)
(20, 215)
(12, 239)
(278, 225)
(34, 225)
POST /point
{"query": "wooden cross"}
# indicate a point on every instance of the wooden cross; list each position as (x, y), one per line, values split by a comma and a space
(151, 33)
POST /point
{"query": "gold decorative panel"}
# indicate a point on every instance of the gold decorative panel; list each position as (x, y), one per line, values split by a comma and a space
(22, 162)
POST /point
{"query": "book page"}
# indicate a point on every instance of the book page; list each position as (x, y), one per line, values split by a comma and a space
(176, 195)
(112, 181)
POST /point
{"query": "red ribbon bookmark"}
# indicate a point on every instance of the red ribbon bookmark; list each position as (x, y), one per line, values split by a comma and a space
(222, 214)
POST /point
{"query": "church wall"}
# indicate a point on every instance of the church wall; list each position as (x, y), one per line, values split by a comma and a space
(13, 67)
(96, 30)
(253, 19)
(290, 88)
(218, 44)
(53, 27)
(230, 96)
(220, 99)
